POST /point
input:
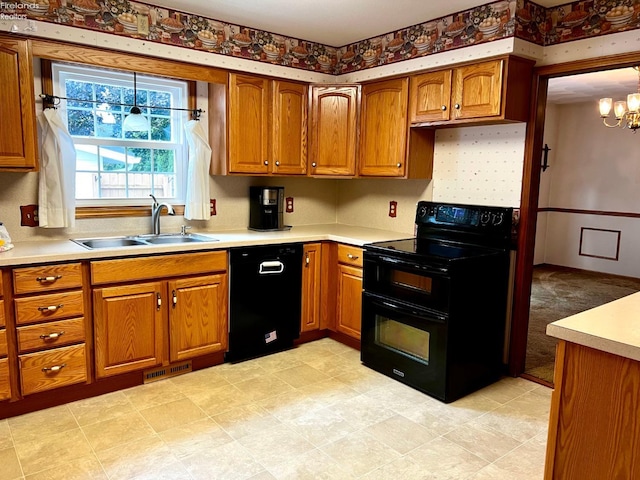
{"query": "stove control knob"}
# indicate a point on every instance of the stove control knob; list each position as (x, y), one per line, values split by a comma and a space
(422, 212)
(497, 219)
(485, 218)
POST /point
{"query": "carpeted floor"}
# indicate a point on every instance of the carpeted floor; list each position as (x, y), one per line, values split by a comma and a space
(558, 292)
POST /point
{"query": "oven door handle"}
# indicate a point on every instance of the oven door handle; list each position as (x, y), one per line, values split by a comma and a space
(411, 311)
(414, 266)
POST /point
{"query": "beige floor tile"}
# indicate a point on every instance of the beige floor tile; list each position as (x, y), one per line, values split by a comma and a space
(397, 396)
(264, 475)
(290, 405)
(524, 463)
(483, 441)
(400, 433)
(6, 440)
(404, 468)
(331, 365)
(321, 427)
(258, 389)
(442, 459)
(173, 414)
(230, 461)
(277, 362)
(512, 419)
(363, 379)
(52, 451)
(362, 411)
(246, 420)
(329, 392)
(241, 372)
(310, 466)
(32, 426)
(216, 400)
(275, 445)
(101, 408)
(82, 468)
(174, 471)
(301, 375)
(9, 464)
(148, 456)
(152, 394)
(119, 430)
(336, 347)
(360, 453)
(507, 389)
(200, 436)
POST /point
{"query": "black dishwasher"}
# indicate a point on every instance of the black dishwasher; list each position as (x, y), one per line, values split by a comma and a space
(265, 299)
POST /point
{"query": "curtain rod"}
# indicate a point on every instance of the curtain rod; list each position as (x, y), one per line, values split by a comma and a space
(51, 101)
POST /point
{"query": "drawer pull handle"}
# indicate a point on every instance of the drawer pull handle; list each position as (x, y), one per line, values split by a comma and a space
(174, 298)
(52, 336)
(55, 368)
(48, 279)
(50, 308)
(351, 256)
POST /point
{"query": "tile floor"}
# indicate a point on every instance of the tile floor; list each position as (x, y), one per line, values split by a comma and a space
(311, 412)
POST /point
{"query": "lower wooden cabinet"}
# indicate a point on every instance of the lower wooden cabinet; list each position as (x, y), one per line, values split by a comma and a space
(5, 384)
(53, 368)
(311, 299)
(349, 303)
(128, 325)
(198, 322)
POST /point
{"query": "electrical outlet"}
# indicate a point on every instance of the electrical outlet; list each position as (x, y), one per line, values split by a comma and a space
(289, 205)
(393, 208)
(213, 206)
(29, 215)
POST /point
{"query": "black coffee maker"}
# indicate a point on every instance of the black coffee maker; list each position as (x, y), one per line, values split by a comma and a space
(266, 206)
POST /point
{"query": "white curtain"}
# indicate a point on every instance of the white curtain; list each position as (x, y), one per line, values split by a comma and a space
(197, 198)
(57, 189)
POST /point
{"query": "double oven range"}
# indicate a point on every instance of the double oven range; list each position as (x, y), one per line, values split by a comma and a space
(434, 306)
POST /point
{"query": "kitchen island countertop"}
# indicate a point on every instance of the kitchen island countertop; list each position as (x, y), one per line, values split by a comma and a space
(613, 327)
(42, 251)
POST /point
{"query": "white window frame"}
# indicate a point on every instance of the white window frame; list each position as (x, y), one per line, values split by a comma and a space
(180, 95)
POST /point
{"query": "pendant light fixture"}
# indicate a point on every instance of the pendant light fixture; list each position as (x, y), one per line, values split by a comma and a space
(135, 121)
(627, 113)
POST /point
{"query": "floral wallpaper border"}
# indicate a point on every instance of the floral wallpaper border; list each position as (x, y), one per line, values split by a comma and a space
(502, 19)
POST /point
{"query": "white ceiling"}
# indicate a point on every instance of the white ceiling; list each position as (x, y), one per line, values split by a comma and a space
(341, 22)
(330, 22)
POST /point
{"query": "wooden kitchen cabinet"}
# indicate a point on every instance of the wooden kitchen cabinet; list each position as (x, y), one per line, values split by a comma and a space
(267, 126)
(494, 91)
(335, 117)
(179, 305)
(311, 293)
(198, 322)
(18, 140)
(349, 303)
(5, 384)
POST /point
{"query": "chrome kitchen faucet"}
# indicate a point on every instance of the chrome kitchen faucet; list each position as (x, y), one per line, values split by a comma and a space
(156, 208)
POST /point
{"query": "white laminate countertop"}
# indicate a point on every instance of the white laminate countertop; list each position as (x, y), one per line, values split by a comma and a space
(26, 253)
(613, 327)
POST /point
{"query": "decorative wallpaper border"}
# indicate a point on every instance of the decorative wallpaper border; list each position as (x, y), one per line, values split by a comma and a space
(497, 20)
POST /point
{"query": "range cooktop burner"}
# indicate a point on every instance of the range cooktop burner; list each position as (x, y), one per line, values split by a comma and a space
(432, 248)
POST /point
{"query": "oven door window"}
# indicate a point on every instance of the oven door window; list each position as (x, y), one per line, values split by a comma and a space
(402, 338)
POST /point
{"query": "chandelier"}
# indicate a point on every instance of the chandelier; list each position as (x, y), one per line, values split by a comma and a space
(627, 113)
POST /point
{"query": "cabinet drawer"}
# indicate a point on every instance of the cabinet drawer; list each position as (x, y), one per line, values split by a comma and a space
(2, 313)
(3, 343)
(350, 255)
(47, 278)
(68, 366)
(50, 334)
(49, 307)
(5, 386)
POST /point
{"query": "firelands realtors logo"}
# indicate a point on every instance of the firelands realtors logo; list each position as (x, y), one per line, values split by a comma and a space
(17, 11)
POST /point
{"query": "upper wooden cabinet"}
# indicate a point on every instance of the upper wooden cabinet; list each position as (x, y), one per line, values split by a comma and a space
(495, 91)
(267, 126)
(18, 151)
(334, 130)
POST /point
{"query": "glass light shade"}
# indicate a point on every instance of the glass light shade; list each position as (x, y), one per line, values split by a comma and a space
(633, 102)
(135, 121)
(619, 108)
(605, 106)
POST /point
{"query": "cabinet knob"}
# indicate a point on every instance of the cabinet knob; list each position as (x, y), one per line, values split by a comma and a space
(314, 164)
(277, 163)
(398, 164)
(266, 162)
(443, 107)
(457, 106)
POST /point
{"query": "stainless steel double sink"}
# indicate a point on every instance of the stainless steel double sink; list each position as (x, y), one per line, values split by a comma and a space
(142, 240)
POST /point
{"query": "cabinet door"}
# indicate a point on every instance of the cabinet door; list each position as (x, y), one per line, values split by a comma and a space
(477, 90)
(289, 128)
(334, 126)
(311, 287)
(197, 316)
(430, 97)
(383, 134)
(248, 124)
(128, 323)
(5, 384)
(349, 300)
(17, 106)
